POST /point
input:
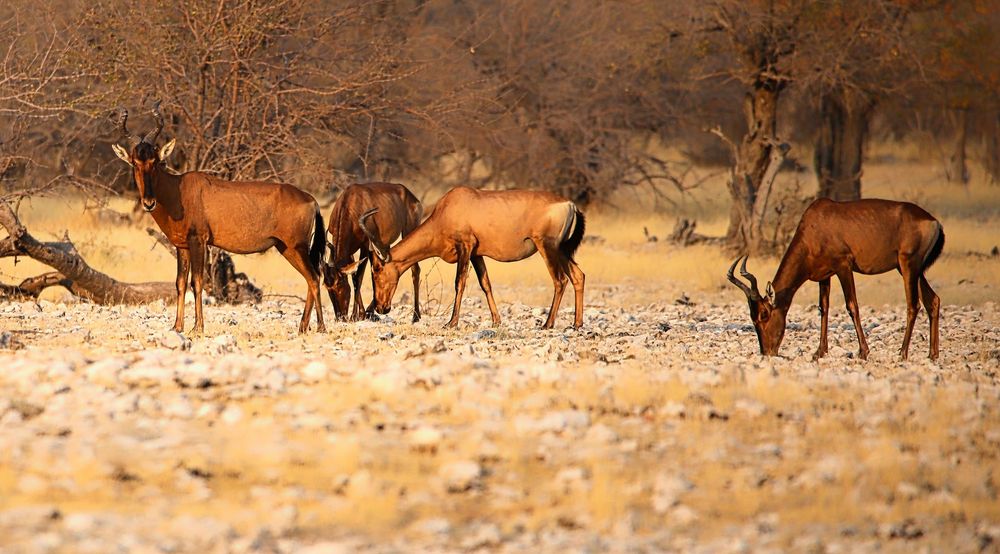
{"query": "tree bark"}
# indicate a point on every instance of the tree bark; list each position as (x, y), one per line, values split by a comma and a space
(840, 146)
(72, 270)
(993, 149)
(958, 169)
(755, 165)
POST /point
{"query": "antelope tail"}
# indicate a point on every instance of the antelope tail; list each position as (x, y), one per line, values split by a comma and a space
(318, 243)
(573, 235)
(936, 248)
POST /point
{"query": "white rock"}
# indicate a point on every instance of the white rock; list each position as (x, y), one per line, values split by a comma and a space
(683, 515)
(667, 491)
(572, 479)
(284, 519)
(174, 341)
(601, 434)
(461, 476)
(105, 372)
(315, 371)
(80, 524)
(432, 526)
(232, 414)
(180, 408)
(425, 438)
(328, 547)
(482, 535)
(224, 343)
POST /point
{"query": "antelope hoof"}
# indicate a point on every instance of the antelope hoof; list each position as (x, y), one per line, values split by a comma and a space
(416, 317)
(863, 354)
(819, 354)
(451, 324)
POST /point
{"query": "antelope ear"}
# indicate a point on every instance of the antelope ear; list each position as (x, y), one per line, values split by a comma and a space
(167, 148)
(770, 291)
(121, 153)
(350, 268)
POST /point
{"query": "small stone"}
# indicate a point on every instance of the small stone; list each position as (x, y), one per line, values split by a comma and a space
(105, 372)
(482, 535)
(426, 439)
(483, 334)
(683, 515)
(461, 476)
(174, 341)
(315, 371)
(231, 415)
(667, 491)
(438, 526)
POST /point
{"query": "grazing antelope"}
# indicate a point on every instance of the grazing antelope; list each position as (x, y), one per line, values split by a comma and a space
(196, 210)
(507, 226)
(398, 213)
(841, 238)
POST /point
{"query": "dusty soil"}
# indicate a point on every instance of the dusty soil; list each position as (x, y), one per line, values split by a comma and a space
(656, 427)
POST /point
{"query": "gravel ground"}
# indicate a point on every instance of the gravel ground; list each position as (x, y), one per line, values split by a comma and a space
(656, 427)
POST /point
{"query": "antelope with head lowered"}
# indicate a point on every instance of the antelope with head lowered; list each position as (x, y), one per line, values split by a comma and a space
(468, 225)
(841, 238)
(398, 213)
(196, 210)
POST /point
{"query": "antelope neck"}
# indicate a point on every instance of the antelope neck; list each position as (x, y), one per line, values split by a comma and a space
(416, 247)
(787, 280)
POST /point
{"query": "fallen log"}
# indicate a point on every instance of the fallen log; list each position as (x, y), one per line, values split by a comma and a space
(72, 271)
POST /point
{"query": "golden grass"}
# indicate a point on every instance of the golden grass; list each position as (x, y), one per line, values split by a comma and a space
(621, 256)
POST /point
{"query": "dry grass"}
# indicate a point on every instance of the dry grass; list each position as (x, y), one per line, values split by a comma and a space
(621, 256)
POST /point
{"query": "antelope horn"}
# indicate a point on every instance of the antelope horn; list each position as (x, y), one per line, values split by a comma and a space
(158, 117)
(380, 250)
(749, 277)
(122, 118)
(752, 294)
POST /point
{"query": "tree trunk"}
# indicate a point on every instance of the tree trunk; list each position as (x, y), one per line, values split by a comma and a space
(72, 271)
(993, 149)
(756, 163)
(840, 146)
(958, 170)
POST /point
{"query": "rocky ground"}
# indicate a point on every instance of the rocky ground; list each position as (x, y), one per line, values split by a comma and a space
(656, 427)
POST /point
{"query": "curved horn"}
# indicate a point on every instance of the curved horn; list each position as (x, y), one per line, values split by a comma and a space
(752, 294)
(158, 117)
(380, 249)
(122, 117)
(749, 277)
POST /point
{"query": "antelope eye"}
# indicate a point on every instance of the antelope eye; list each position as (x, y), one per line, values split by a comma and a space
(765, 315)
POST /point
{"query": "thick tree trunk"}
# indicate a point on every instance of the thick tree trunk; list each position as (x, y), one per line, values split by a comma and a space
(993, 149)
(958, 169)
(72, 271)
(756, 163)
(840, 146)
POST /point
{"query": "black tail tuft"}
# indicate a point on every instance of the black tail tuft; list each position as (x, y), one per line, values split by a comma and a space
(932, 256)
(569, 246)
(318, 244)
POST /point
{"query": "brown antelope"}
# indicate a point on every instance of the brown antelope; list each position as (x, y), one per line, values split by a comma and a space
(841, 238)
(196, 210)
(507, 226)
(398, 213)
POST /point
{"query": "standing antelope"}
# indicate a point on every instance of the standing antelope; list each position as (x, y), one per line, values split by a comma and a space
(196, 210)
(840, 238)
(398, 213)
(507, 226)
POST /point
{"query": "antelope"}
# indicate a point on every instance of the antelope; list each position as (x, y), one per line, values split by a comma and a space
(840, 238)
(468, 224)
(398, 213)
(196, 210)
